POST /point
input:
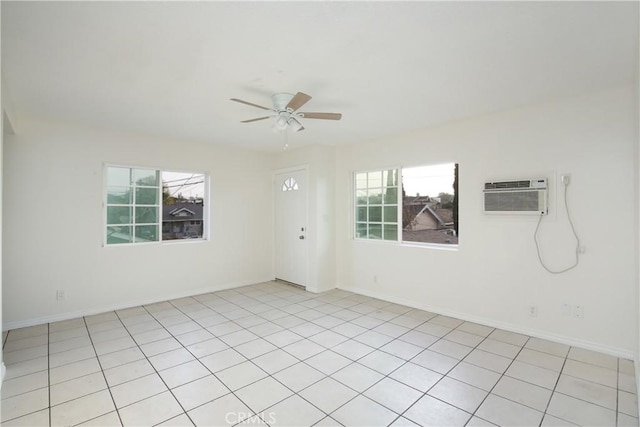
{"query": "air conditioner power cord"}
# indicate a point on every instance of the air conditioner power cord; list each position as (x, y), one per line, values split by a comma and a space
(573, 229)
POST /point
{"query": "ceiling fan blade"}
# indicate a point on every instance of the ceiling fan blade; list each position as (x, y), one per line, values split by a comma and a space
(298, 101)
(323, 116)
(249, 103)
(255, 120)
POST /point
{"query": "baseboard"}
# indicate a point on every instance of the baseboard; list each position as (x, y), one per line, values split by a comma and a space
(588, 345)
(127, 304)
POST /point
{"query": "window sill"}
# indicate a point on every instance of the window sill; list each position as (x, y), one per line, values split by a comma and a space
(436, 246)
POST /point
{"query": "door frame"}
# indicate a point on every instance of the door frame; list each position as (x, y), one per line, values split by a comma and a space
(304, 168)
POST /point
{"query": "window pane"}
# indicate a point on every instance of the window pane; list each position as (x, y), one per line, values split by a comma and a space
(183, 204)
(146, 196)
(375, 197)
(361, 230)
(361, 214)
(430, 204)
(119, 176)
(390, 214)
(375, 214)
(375, 179)
(119, 215)
(146, 233)
(361, 197)
(116, 235)
(375, 231)
(146, 215)
(390, 178)
(119, 195)
(145, 177)
(361, 180)
(390, 232)
(391, 196)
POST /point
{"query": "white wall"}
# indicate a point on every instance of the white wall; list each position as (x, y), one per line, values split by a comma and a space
(53, 222)
(495, 274)
(320, 163)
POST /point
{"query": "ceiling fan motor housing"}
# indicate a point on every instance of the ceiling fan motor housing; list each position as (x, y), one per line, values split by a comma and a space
(280, 100)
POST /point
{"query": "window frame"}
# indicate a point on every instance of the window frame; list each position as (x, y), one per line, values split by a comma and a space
(399, 241)
(205, 208)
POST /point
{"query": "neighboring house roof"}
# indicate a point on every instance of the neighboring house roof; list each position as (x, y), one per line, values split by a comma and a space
(182, 212)
(428, 210)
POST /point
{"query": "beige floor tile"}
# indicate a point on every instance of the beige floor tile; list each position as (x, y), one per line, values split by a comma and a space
(151, 411)
(505, 412)
(225, 411)
(76, 388)
(23, 404)
(263, 394)
(546, 346)
(328, 394)
(593, 358)
(24, 384)
(393, 395)
(133, 391)
(475, 376)
(588, 391)
(591, 373)
(27, 367)
(429, 411)
(74, 370)
(36, 419)
(458, 394)
(82, 409)
(199, 392)
(580, 412)
(299, 376)
(533, 374)
(107, 420)
(130, 371)
(182, 374)
(241, 375)
(416, 376)
(522, 392)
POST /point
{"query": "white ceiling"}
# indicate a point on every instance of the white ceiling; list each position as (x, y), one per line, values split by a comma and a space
(169, 68)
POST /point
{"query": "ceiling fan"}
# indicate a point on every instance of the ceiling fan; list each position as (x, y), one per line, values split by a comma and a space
(285, 110)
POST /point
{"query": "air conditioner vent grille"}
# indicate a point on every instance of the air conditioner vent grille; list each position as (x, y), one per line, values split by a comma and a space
(507, 185)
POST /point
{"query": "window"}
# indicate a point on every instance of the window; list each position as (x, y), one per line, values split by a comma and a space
(377, 205)
(149, 205)
(430, 204)
(427, 211)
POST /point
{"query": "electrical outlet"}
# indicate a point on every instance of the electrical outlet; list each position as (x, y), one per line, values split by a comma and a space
(60, 294)
(578, 312)
(565, 178)
(533, 311)
(565, 310)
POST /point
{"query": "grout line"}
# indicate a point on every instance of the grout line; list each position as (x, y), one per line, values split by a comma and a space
(103, 375)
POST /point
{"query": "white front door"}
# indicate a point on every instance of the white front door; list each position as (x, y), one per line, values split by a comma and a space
(291, 226)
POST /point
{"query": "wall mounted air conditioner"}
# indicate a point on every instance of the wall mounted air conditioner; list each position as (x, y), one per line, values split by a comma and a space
(525, 196)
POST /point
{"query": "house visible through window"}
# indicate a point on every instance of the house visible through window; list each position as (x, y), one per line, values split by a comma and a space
(149, 205)
(430, 204)
(427, 211)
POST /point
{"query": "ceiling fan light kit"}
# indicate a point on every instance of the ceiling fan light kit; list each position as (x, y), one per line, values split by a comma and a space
(285, 110)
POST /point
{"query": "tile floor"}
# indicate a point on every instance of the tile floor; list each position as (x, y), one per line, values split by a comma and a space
(271, 354)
